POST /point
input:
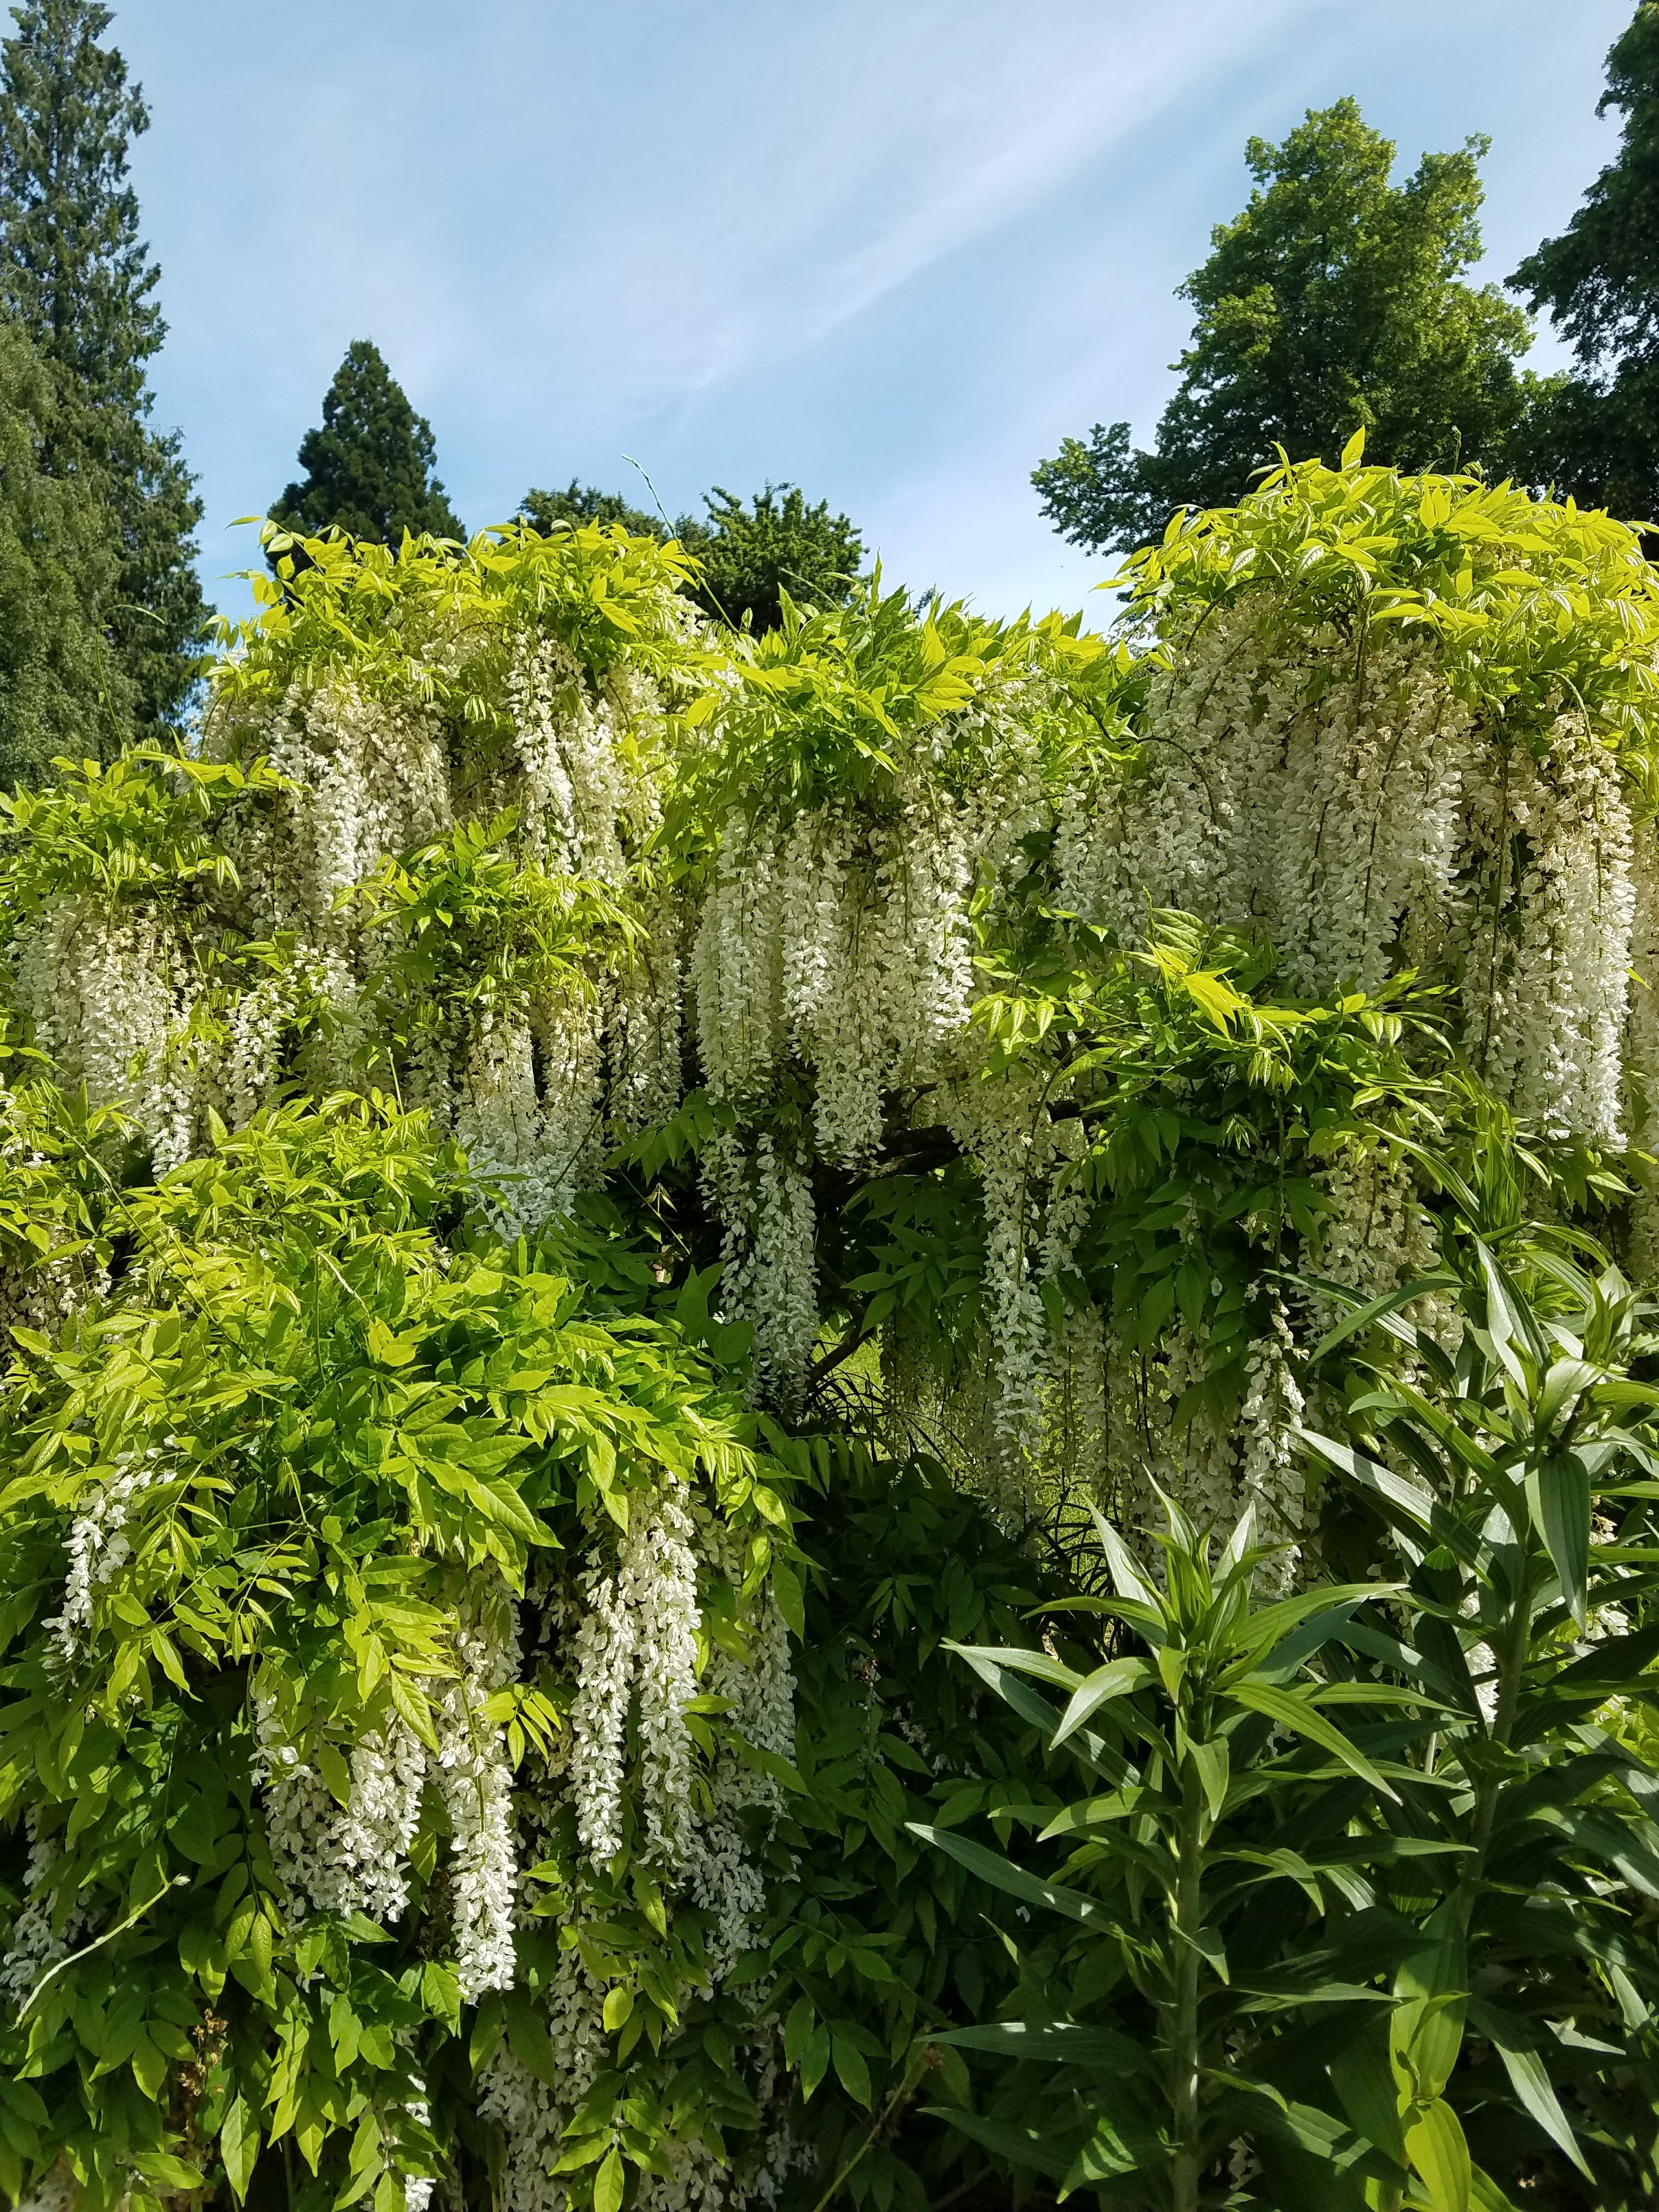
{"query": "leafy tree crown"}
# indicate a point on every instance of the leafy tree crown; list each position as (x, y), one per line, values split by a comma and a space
(1596, 433)
(1335, 302)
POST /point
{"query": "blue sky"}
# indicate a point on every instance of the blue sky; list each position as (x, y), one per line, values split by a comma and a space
(891, 250)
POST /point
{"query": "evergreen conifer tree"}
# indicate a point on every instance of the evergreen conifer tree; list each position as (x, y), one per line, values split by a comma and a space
(63, 689)
(1596, 433)
(752, 554)
(753, 551)
(76, 273)
(586, 503)
(1332, 303)
(368, 468)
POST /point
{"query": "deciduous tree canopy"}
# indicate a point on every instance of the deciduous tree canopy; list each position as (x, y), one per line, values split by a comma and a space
(1335, 302)
(1596, 435)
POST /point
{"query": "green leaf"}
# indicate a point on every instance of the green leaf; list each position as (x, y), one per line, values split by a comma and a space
(336, 1773)
(852, 2070)
(990, 1867)
(609, 2183)
(1440, 2155)
(1059, 2042)
(1364, 2082)
(815, 2060)
(1528, 2076)
(1293, 1711)
(1213, 1763)
(1558, 1499)
(1116, 1679)
(167, 2172)
(1029, 2147)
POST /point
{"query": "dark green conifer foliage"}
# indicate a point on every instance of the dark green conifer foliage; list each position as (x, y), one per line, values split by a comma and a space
(1596, 435)
(369, 468)
(586, 503)
(63, 689)
(776, 543)
(76, 273)
(1334, 303)
(752, 552)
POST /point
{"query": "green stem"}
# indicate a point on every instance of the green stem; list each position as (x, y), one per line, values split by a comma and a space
(1183, 2031)
(902, 2091)
(1511, 1656)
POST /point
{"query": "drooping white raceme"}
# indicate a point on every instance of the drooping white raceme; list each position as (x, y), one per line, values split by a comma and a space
(573, 788)
(736, 963)
(1577, 905)
(34, 1944)
(531, 2118)
(369, 777)
(1271, 1477)
(647, 1075)
(661, 1574)
(253, 1056)
(1641, 1052)
(723, 1876)
(54, 2192)
(341, 1859)
(418, 2188)
(636, 1648)
(603, 1657)
(997, 1125)
(97, 1546)
(531, 2114)
(768, 1255)
(474, 1775)
(538, 1142)
(109, 991)
(1376, 1234)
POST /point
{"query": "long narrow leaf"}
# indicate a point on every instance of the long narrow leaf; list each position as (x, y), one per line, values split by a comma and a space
(1289, 1711)
(1002, 1874)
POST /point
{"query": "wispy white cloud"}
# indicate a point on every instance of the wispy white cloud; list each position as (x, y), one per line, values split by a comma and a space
(895, 251)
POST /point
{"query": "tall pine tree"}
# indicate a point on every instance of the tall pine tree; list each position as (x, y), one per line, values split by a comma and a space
(369, 468)
(76, 273)
(1596, 433)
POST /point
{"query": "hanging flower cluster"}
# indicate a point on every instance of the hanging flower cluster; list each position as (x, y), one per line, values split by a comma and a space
(1010, 1121)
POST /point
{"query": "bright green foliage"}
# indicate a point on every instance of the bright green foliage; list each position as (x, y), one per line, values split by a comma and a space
(1529, 599)
(1596, 435)
(368, 468)
(292, 1313)
(843, 701)
(1326, 1835)
(76, 276)
(1204, 1869)
(346, 1442)
(1335, 302)
(1517, 1479)
(756, 556)
(61, 688)
(369, 614)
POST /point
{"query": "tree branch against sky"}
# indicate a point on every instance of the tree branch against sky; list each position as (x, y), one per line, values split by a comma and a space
(1335, 302)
